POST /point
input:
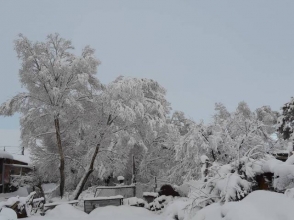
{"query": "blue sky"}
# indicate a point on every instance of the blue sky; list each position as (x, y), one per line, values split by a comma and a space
(202, 52)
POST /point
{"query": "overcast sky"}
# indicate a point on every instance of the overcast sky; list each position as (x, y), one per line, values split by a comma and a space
(202, 52)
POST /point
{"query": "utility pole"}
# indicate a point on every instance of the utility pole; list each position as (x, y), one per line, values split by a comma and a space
(134, 170)
(134, 175)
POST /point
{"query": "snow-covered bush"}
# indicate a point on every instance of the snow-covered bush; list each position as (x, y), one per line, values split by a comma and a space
(230, 137)
(225, 183)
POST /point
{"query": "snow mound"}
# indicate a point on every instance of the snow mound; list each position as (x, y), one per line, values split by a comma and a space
(259, 205)
(122, 213)
(290, 193)
(179, 208)
(211, 212)
(8, 214)
(66, 211)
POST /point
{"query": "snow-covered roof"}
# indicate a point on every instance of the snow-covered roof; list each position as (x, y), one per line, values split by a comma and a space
(22, 158)
(5, 155)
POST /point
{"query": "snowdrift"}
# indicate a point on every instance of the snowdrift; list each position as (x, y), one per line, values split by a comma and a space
(259, 205)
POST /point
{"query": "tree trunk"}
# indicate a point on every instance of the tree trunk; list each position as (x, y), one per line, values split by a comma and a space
(90, 169)
(42, 191)
(60, 150)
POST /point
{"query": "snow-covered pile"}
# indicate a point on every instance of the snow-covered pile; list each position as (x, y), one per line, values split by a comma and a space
(122, 213)
(222, 183)
(8, 214)
(178, 208)
(65, 211)
(259, 205)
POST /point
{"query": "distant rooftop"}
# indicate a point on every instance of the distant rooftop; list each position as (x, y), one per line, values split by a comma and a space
(22, 158)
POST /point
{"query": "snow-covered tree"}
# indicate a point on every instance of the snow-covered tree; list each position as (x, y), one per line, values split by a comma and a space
(115, 123)
(229, 136)
(57, 82)
(286, 122)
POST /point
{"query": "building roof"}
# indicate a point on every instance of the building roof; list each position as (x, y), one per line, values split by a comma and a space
(22, 158)
(5, 155)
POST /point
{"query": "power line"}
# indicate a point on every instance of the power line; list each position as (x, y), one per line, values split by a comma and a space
(19, 149)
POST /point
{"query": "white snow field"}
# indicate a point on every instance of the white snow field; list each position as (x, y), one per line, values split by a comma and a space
(68, 212)
(259, 205)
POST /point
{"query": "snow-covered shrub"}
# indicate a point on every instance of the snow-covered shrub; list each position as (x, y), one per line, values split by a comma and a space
(224, 183)
(230, 137)
(159, 203)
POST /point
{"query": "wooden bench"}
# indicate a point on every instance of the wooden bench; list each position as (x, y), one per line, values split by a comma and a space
(49, 206)
(92, 203)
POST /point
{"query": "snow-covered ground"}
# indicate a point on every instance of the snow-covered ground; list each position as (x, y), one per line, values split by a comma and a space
(258, 205)
(68, 212)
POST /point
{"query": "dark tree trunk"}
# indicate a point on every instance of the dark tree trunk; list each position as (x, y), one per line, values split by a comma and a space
(60, 151)
(90, 169)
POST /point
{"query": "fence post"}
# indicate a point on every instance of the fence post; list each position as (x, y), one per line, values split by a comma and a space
(155, 184)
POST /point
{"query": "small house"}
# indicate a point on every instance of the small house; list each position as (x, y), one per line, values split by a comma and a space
(12, 166)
